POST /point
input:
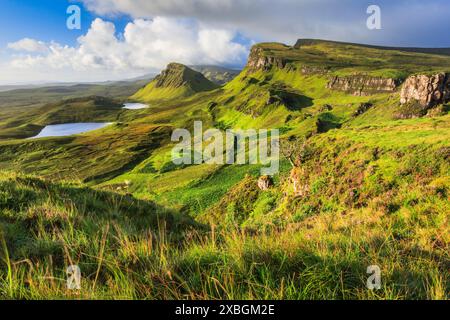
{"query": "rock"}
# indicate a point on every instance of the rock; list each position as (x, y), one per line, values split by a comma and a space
(298, 180)
(437, 111)
(262, 60)
(360, 85)
(313, 70)
(265, 182)
(428, 91)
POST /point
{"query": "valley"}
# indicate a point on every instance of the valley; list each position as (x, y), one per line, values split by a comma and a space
(364, 180)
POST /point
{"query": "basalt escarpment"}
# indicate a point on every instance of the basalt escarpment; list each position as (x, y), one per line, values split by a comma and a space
(427, 91)
(259, 59)
(361, 85)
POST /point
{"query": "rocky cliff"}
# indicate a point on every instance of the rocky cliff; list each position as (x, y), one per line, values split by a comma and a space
(360, 85)
(426, 90)
(260, 59)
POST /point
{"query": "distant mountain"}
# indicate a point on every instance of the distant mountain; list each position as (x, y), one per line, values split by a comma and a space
(145, 77)
(22, 97)
(216, 74)
(176, 81)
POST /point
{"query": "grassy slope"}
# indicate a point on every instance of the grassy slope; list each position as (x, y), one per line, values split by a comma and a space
(90, 109)
(66, 223)
(176, 82)
(378, 193)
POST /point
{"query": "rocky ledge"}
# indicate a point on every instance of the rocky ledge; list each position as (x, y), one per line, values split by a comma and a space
(360, 85)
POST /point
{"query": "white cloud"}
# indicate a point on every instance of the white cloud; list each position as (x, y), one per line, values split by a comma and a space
(28, 45)
(145, 46)
(405, 22)
(267, 20)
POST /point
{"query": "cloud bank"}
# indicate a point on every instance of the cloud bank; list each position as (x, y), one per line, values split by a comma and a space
(216, 32)
(145, 46)
(405, 22)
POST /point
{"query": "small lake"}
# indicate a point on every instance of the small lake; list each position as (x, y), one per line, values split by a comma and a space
(68, 129)
(135, 106)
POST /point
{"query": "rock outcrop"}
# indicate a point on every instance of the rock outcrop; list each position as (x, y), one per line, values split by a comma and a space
(360, 85)
(265, 182)
(427, 91)
(260, 59)
(313, 70)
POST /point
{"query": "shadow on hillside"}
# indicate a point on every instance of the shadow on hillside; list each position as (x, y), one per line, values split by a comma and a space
(32, 210)
(291, 100)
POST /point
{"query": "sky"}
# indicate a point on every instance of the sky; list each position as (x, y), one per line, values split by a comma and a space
(122, 39)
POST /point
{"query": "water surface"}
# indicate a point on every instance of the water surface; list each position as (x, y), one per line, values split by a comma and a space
(68, 129)
(135, 106)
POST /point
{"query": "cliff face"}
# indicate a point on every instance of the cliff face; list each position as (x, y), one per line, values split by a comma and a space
(362, 85)
(428, 91)
(261, 60)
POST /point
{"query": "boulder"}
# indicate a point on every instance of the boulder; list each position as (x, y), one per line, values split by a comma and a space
(265, 182)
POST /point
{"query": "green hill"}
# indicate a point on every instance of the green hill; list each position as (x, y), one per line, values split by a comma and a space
(177, 81)
(216, 74)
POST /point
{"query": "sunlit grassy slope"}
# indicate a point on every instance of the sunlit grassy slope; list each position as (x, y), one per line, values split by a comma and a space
(177, 81)
(378, 194)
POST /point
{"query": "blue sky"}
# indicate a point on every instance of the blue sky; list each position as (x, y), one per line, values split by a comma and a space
(121, 39)
(44, 20)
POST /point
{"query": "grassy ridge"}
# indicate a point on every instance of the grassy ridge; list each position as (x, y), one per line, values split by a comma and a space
(348, 59)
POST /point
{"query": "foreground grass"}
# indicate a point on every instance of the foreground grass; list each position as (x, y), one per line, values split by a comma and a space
(131, 249)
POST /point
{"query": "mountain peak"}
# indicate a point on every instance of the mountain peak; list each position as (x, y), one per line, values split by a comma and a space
(177, 75)
(176, 81)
